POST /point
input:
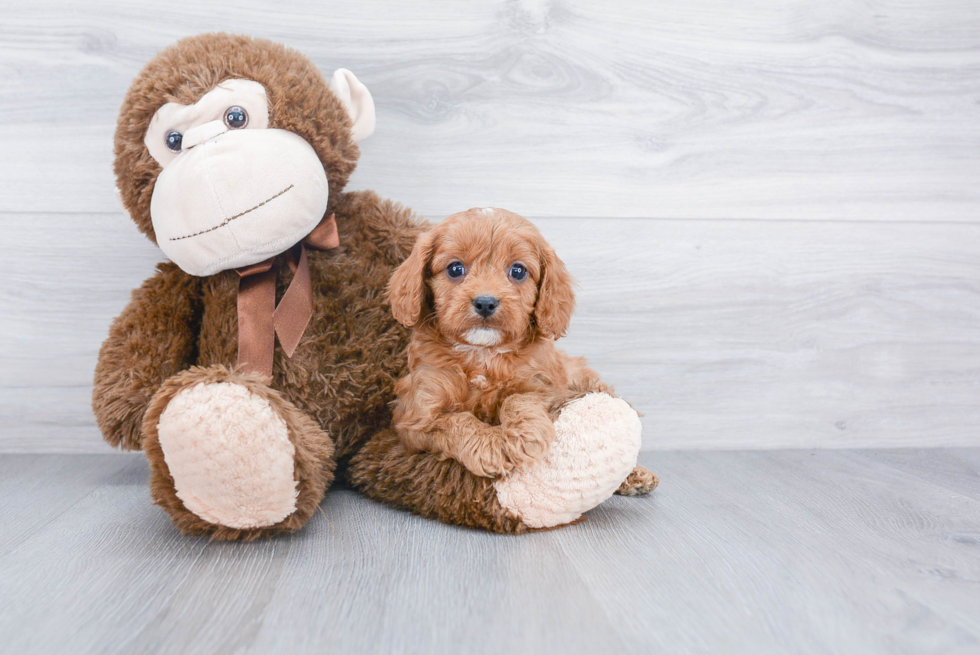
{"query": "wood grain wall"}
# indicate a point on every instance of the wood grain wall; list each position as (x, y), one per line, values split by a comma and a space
(771, 206)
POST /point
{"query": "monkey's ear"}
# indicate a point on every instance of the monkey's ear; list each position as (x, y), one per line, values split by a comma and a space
(358, 101)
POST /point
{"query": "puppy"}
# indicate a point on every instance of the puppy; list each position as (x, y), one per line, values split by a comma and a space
(487, 297)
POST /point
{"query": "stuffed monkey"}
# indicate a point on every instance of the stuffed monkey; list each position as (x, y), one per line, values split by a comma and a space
(265, 353)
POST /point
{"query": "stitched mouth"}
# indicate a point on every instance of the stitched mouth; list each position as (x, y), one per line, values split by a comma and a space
(231, 218)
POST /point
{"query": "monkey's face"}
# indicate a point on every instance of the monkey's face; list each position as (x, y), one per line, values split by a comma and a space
(232, 192)
(228, 148)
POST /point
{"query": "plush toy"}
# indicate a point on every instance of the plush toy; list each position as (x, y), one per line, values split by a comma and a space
(266, 353)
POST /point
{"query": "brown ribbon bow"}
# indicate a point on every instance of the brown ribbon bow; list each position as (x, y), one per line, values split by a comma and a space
(260, 319)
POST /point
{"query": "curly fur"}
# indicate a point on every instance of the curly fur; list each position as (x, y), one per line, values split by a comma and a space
(491, 407)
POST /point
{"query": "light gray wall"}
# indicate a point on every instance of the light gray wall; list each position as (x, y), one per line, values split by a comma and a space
(771, 206)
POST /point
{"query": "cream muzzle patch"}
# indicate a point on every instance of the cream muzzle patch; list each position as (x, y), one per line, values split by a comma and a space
(231, 196)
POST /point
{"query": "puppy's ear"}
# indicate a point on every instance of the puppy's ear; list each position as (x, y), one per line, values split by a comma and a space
(407, 290)
(556, 299)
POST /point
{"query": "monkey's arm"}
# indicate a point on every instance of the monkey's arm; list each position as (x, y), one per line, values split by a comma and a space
(154, 338)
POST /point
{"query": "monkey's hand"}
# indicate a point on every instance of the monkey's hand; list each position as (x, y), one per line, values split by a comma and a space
(154, 338)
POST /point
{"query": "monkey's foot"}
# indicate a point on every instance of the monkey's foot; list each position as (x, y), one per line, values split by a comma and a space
(235, 454)
(597, 440)
(639, 482)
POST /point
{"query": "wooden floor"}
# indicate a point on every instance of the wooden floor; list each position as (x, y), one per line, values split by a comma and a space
(737, 552)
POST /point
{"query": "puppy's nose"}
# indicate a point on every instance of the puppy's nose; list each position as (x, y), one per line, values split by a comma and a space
(485, 305)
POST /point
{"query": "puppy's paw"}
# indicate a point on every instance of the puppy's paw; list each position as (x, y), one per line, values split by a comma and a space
(528, 431)
(523, 437)
(525, 442)
(482, 462)
(507, 453)
(639, 482)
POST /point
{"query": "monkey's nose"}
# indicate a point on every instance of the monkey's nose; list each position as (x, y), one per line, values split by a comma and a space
(485, 305)
(201, 133)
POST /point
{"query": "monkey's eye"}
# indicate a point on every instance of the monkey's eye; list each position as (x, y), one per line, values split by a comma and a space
(456, 270)
(174, 139)
(236, 118)
(517, 271)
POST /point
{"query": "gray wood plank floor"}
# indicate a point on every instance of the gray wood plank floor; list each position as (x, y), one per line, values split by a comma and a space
(852, 551)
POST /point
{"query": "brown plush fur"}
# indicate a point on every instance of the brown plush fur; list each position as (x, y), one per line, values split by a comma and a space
(335, 391)
(342, 372)
(490, 407)
(442, 489)
(154, 338)
(639, 482)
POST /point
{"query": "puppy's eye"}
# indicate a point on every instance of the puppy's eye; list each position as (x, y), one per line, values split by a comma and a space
(518, 272)
(455, 270)
(236, 118)
(173, 140)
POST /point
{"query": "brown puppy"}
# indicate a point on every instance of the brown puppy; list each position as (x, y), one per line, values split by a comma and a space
(487, 297)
